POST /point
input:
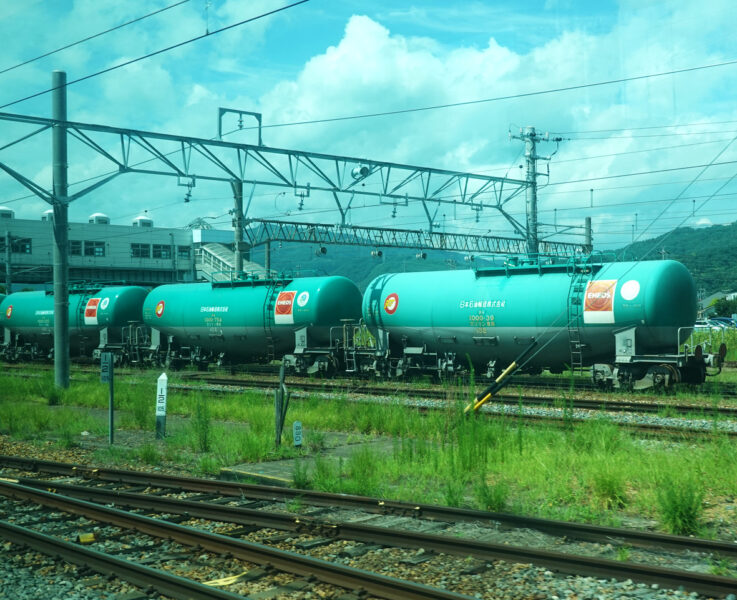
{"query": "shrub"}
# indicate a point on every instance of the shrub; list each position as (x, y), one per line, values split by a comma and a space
(149, 454)
(680, 500)
(300, 476)
(609, 485)
(453, 493)
(492, 496)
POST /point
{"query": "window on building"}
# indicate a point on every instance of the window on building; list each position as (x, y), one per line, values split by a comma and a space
(94, 248)
(184, 252)
(75, 247)
(162, 251)
(141, 250)
(20, 245)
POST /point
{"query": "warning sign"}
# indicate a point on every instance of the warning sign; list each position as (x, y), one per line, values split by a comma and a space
(391, 303)
(598, 304)
(283, 308)
(90, 311)
(159, 308)
(9, 311)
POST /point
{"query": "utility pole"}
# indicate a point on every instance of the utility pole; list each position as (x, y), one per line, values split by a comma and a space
(8, 272)
(531, 137)
(237, 186)
(588, 238)
(60, 203)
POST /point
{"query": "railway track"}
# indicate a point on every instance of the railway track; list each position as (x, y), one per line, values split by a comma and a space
(238, 508)
(659, 418)
(579, 384)
(509, 399)
(680, 421)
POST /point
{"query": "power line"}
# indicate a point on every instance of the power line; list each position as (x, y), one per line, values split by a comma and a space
(91, 37)
(654, 135)
(499, 98)
(157, 52)
(642, 128)
(620, 175)
(658, 149)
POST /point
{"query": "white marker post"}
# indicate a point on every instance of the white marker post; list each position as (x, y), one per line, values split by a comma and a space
(161, 407)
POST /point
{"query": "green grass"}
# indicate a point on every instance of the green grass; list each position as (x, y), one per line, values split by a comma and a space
(590, 471)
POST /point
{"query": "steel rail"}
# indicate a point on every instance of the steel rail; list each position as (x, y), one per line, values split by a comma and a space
(566, 563)
(562, 562)
(137, 574)
(282, 560)
(580, 531)
(509, 399)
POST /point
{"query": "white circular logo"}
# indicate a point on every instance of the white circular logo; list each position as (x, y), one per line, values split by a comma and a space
(104, 303)
(630, 290)
(303, 298)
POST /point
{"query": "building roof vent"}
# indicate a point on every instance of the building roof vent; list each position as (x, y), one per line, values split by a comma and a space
(6, 213)
(143, 222)
(99, 219)
(48, 215)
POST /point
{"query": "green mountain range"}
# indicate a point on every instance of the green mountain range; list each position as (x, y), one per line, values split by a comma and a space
(710, 253)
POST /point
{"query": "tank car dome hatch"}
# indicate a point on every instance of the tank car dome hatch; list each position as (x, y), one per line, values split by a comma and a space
(143, 222)
(99, 219)
(6, 213)
(48, 215)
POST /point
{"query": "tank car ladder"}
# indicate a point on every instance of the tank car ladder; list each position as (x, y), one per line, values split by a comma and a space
(575, 310)
(268, 316)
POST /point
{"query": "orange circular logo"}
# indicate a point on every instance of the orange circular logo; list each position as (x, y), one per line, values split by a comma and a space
(391, 303)
(159, 308)
(9, 311)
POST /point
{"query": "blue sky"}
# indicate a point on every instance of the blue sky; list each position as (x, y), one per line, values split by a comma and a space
(330, 59)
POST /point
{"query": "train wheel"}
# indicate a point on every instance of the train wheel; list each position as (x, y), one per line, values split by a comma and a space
(674, 375)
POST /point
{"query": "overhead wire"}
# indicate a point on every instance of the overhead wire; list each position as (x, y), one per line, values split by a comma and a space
(157, 52)
(92, 37)
(644, 127)
(499, 98)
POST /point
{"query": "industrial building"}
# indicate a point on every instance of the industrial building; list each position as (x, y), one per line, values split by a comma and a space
(100, 251)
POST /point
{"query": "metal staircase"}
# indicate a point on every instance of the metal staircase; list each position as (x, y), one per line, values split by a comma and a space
(214, 262)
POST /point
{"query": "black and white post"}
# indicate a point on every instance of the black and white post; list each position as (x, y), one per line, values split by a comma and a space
(161, 407)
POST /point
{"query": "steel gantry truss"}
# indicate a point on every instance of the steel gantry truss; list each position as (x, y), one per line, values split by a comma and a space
(190, 159)
(262, 231)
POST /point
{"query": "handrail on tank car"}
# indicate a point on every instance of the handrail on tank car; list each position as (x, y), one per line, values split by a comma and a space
(82, 286)
(685, 345)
